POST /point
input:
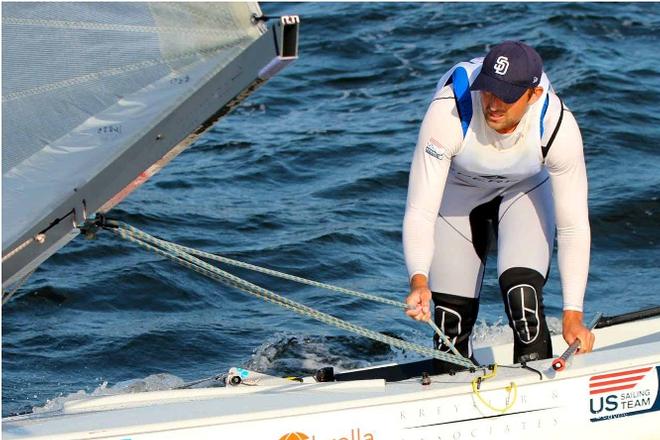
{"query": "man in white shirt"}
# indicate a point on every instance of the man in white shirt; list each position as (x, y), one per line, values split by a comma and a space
(498, 152)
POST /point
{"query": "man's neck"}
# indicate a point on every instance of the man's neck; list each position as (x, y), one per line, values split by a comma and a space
(508, 130)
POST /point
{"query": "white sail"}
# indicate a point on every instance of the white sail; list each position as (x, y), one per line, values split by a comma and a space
(97, 96)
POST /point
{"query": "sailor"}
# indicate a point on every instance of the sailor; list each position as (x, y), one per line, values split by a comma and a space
(498, 155)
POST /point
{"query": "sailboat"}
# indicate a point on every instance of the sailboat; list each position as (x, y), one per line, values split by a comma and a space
(139, 83)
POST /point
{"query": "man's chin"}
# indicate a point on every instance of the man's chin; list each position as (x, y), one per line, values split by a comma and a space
(496, 125)
(501, 126)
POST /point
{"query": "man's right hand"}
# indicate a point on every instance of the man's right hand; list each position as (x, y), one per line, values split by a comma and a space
(419, 299)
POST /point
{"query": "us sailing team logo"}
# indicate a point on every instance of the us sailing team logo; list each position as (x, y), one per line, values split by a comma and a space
(624, 393)
(435, 149)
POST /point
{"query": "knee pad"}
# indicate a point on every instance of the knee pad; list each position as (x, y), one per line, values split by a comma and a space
(455, 316)
(523, 301)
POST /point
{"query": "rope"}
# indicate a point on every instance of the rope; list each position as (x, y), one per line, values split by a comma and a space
(286, 276)
(476, 385)
(19, 248)
(300, 280)
(172, 252)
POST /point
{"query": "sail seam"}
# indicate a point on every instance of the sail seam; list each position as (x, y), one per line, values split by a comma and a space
(176, 9)
(85, 25)
(108, 73)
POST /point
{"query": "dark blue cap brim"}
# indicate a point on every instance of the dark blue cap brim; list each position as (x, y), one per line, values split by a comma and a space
(508, 93)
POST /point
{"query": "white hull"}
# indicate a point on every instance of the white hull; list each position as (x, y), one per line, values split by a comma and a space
(559, 405)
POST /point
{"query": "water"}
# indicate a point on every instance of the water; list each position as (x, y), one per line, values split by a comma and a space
(309, 176)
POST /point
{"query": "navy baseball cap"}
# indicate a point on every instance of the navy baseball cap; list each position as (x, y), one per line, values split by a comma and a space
(508, 70)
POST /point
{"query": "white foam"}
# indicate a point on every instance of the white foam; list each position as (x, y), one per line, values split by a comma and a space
(305, 354)
(311, 354)
(154, 382)
(499, 332)
(485, 335)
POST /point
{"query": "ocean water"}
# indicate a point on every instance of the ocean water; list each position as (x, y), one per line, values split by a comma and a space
(309, 176)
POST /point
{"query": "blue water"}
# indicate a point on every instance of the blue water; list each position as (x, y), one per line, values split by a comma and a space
(309, 176)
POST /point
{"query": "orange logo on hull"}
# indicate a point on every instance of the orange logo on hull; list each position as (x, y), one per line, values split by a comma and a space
(355, 434)
(294, 436)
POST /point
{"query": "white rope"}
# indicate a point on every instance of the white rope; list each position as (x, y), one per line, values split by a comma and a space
(300, 280)
(173, 252)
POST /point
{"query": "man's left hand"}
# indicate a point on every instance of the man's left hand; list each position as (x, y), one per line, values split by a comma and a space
(573, 329)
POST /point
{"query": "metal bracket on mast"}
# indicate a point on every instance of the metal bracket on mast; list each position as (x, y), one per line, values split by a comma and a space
(91, 226)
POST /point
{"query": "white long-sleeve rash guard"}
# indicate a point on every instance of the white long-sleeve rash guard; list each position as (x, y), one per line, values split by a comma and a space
(564, 162)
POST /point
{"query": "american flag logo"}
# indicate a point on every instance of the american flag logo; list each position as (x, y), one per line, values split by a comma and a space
(623, 380)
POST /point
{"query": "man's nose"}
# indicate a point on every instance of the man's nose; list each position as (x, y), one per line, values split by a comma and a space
(495, 103)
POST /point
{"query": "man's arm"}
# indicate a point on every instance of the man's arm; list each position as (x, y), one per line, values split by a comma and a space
(565, 163)
(439, 137)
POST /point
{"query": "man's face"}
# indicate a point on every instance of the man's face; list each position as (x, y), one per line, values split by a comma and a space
(503, 117)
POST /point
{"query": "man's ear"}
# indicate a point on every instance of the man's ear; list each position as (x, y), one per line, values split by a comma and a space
(536, 95)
